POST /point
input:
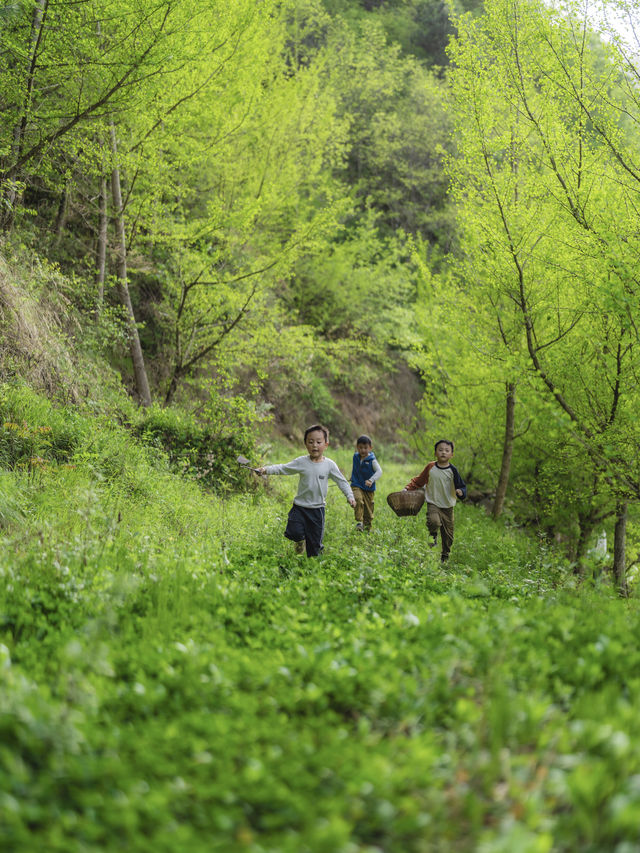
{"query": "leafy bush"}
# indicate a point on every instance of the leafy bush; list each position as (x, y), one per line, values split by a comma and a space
(205, 448)
(33, 431)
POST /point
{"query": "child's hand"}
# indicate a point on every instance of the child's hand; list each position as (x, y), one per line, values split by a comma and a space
(368, 483)
(459, 492)
(261, 471)
(352, 501)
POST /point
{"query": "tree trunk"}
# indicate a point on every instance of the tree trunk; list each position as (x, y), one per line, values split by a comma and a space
(140, 373)
(619, 548)
(173, 386)
(507, 451)
(101, 252)
(61, 217)
(586, 524)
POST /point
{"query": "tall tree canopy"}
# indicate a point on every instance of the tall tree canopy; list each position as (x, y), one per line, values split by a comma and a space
(546, 182)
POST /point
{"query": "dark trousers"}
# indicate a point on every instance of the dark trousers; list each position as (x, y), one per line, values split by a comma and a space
(306, 523)
(441, 519)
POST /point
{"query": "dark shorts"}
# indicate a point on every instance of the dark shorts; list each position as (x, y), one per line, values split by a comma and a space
(306, 523)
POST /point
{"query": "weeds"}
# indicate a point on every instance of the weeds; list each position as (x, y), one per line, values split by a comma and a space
(172, 677)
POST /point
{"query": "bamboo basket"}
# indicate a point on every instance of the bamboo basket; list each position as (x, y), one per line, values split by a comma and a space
(406, 503)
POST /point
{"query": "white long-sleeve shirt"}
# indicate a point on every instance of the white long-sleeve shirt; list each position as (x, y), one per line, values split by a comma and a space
(314, 479)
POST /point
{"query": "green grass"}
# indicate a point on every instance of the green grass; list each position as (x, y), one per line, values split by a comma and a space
(174, 678)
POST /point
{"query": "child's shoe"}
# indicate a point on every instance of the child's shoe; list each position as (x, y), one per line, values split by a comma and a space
(300, 546)
(359, 526)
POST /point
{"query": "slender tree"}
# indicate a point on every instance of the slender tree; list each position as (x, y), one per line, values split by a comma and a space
(554, 251)
(137, 358)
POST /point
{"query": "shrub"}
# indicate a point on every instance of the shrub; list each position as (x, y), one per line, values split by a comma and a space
(206, 448)
(32, 430)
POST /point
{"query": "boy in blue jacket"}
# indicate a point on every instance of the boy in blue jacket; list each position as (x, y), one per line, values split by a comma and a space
(443, 485)
(364, 473)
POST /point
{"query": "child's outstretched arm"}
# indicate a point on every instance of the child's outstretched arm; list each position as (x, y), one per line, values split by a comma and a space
(337, 476)
(292, 467)
(421, 480)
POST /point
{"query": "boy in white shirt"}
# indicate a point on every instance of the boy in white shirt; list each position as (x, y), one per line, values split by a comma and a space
(442, 484)
(305, 522)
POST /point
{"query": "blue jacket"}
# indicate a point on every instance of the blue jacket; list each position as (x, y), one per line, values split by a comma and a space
(362, 470)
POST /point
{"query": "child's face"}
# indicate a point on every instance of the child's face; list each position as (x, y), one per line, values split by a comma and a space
(316, 444)
(444, 452)
(364, 450)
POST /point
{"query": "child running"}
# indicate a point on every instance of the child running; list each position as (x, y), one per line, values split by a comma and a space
(364, 473)
(305, 522)
(443, 484)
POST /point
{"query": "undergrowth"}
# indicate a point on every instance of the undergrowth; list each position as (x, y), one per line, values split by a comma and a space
(174, 678)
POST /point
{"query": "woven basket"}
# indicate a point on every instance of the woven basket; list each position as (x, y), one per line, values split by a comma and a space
(406, 503)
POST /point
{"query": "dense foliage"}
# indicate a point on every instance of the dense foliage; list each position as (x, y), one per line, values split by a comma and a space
(224, 221)
(544, 285)
(213, 168)
(207, 176)
(173, 677)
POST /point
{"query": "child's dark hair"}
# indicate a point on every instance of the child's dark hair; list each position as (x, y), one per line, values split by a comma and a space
(364, 439)
(443, 441)
(316, 427)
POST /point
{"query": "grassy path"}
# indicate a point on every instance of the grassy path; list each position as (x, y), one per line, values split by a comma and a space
(174, 679)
